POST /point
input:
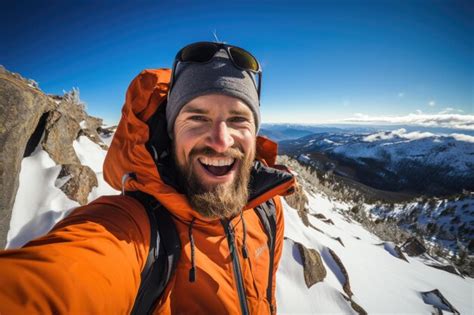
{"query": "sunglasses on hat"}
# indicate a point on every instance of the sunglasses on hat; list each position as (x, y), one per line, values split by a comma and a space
(202, 52)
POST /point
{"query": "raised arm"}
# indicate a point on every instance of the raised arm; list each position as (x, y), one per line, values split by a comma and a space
(90, 263)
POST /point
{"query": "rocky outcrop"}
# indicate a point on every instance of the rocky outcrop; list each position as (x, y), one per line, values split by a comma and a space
(356, 307)
(21, 107)
(90, 128)
(438, 301)
(29, 118)
(60, 132)
(346, 285)
(314, 270)
(297, 200)
(413, 247)
(77, 181)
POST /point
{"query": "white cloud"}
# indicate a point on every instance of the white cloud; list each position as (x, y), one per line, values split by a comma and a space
(432, 103)
(462, 137)
(414, 135)
(400, 133)
(457, 121)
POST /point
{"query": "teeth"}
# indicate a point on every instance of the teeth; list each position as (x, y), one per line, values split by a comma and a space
(216, 161)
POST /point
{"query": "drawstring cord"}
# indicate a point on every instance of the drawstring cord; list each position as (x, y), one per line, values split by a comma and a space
(244, 246)
(192, 271)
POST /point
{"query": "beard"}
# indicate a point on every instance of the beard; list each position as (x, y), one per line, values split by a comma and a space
(218, 200)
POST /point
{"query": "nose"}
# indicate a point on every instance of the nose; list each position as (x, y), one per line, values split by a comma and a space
(220, 138)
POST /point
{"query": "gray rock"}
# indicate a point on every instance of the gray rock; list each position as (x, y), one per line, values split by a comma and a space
(314, 270)
(346, 285)
(60, 132)
(21, 107)
(77, 181)
(91, 130)
(413, 247)
(438, 301)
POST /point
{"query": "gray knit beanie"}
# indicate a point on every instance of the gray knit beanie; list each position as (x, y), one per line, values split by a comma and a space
(218, 76)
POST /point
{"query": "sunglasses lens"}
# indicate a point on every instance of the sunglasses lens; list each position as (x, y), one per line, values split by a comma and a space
(200, 52)
(243, 59)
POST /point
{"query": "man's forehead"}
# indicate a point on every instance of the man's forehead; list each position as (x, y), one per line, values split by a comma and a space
(216, 103)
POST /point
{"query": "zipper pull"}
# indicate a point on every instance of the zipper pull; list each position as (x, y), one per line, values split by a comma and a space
(244, 252)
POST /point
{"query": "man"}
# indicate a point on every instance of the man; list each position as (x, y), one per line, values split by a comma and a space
(191, 145)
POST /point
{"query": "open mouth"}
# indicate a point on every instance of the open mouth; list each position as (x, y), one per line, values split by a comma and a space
(217, 166)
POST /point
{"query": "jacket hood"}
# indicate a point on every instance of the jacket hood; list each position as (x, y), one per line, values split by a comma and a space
(139, 158)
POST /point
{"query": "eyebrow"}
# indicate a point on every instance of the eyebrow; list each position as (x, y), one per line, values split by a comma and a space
(239, 112)
(195, 110)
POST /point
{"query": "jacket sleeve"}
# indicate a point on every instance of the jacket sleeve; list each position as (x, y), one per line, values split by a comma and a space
(90, 263)
(280, 231)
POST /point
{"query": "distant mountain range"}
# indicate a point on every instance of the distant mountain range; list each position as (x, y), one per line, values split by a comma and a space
(417, 162)
(288, 131)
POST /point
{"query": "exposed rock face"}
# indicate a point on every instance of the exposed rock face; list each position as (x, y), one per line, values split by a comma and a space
(61, 131)
(346, 286)
(29, 118)
(314, 270)
(438, 301)
(21, 107)
(297, 200)
(413, 247)
(77, 181)
(90, 128)
(356, 307)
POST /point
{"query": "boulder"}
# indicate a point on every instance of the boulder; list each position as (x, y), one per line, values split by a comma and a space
(314, 270)
(297, 200)
(355, 306)
(77, 181)
(346, 286)
(438, 301)
(319, 216)
(413, 247)
(90, 128)
(60, 132)
(21, 107)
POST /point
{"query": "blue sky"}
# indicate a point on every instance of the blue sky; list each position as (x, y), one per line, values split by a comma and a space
(322, 61)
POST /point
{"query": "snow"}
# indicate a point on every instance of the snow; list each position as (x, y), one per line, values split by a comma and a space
(462, 137)
(449, 216)
(89, 153)
(454, 151)
(381, 283)
(39, 204)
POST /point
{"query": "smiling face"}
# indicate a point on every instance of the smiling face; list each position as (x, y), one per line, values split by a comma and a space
(214, 148)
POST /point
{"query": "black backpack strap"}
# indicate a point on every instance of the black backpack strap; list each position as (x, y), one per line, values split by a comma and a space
(267, 214)
(163, 256)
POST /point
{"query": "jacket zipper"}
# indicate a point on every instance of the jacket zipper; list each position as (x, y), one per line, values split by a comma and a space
(228, 228)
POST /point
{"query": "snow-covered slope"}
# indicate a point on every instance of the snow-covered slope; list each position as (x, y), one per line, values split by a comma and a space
(379, 281)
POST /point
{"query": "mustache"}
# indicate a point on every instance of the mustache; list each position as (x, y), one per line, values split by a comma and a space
(234, 152)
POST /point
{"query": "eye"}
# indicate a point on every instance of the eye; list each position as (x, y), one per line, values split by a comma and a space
(198, 118)
(238, 119)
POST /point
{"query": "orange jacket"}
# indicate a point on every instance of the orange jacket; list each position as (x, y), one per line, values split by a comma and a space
(90, 262)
